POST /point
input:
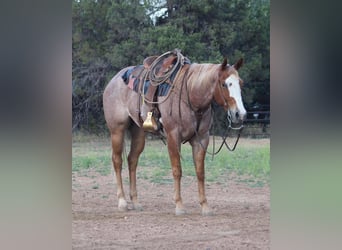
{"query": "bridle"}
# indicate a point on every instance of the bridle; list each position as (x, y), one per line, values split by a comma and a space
(225, 102)
(226, 105)
(225, 135)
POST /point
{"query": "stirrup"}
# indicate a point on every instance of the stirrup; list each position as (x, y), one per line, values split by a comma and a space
(150, 123)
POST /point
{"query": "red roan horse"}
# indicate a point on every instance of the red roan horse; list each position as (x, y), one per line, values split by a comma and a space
(186, 117)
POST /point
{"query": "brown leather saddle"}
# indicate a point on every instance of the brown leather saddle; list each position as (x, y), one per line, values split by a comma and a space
(156, 70)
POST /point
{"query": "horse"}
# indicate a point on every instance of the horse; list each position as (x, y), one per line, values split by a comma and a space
(185, 115)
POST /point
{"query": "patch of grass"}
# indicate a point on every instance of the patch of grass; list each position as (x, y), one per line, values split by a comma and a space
(250, 160)
(244, 161)
(91, 153)
(99, 163)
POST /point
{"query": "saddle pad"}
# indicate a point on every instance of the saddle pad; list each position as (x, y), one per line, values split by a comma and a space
(133, 83)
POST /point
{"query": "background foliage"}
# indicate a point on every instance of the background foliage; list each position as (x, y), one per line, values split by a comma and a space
(111, 34)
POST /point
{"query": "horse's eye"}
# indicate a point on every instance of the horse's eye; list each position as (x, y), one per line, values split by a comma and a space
(224, 85)
(230, 84)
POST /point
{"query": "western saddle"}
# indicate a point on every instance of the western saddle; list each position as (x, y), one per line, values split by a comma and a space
(156, 70)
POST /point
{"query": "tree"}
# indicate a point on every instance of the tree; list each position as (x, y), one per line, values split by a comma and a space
(111, 34)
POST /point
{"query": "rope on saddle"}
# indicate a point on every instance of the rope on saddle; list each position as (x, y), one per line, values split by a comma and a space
(157, 80)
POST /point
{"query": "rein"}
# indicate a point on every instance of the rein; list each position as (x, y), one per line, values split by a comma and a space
(224, 138)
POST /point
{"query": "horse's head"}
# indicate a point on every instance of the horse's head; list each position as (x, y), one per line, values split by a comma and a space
(228, 91)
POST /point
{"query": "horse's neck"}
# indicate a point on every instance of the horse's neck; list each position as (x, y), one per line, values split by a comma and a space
(201, 85)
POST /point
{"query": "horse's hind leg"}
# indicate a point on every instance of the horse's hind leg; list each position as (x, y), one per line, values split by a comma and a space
(137, 146)
(117, 147)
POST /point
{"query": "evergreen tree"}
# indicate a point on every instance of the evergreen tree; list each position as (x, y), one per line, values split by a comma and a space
(111, 34)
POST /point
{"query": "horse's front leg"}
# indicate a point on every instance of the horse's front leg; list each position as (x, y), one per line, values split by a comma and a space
(199, 147)
(174, 153)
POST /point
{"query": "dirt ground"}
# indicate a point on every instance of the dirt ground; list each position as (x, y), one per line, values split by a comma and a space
(240, 220)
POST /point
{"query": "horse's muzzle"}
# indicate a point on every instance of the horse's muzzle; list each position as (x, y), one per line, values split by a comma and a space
(236, 117)
(242, 116)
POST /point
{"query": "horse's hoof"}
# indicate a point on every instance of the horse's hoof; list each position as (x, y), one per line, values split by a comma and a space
(180, 211)
(122, 205)
(207, 212)
(137, 207)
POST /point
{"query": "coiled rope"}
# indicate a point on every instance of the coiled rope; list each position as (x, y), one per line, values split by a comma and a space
(157, 80)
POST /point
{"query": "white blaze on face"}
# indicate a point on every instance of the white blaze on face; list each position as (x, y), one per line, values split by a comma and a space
(233, 86)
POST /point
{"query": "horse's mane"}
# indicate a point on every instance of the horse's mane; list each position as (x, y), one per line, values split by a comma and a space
(202, 73)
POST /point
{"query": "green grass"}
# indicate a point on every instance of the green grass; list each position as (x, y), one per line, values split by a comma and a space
(250, 162)
(91, 154)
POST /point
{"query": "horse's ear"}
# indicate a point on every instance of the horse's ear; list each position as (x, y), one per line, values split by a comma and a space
(224, 64)
(238, 64)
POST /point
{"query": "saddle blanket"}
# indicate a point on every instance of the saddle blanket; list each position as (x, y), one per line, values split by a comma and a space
(133, 83)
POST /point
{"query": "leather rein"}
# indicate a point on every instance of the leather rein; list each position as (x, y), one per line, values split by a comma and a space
(225, 136)
(228, 129)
